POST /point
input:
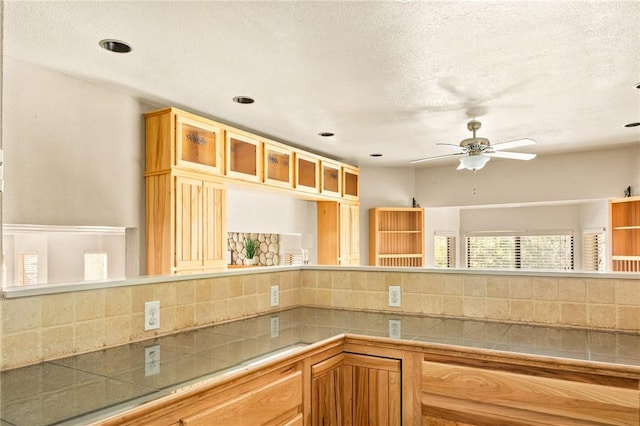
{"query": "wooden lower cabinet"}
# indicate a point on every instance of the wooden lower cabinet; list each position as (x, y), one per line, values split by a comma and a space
(510, 395)
(368, 381)
(272, 398)
(352, 389)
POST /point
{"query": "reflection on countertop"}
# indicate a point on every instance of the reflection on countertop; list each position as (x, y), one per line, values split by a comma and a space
(81, 388)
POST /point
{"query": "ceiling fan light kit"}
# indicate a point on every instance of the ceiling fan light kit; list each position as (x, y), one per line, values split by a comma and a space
(473, 162)
(476, 152)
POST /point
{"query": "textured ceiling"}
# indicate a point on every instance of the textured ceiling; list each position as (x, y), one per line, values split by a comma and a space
(392, 77)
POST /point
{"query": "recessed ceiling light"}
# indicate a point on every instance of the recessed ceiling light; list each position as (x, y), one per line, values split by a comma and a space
(116, 46)
(326, 134)
(638, 85)
(632, 124)
(243, 100)
(375, 154)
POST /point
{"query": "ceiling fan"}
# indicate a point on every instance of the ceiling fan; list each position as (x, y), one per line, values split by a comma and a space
(477, 152)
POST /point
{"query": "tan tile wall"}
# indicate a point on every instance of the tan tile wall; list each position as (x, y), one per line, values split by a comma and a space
(45, 327)
(596, 303)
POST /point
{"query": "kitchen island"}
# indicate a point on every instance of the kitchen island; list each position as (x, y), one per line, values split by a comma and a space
(437, 357)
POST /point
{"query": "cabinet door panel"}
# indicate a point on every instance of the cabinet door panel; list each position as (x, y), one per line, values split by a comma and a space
(213, 229)
(198, 145)
(351, 389)
(188, 223)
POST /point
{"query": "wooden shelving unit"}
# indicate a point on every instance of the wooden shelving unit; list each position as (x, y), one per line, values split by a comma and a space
(396, 237)
(624, 216)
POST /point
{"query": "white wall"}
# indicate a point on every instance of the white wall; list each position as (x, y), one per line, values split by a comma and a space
(251, 210)
(441, 219)
(382, 187)
(576, 176)
(74, 155)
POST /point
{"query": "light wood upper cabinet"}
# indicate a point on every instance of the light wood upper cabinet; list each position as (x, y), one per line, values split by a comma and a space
(198, 145)
(176, 138)
(396, 236)
(199, 225)
(181, 140)
(243, 157)
(186, 225)
(624, 215)
(331, 178)
(278, 165)
(307, 173)
(350, 183)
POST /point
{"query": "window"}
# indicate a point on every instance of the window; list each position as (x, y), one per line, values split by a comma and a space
(593, 249)
(444, 249)
(522, 250)
(95, 265)
(27, 268)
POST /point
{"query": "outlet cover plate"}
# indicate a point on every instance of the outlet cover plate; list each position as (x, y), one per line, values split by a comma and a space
(395, 296)
(275, 326)
(151, 360)
(152, 315)
(395, 329)
(275, 295)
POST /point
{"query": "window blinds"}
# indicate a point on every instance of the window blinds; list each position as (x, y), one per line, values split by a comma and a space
(95, 265)
(521, 251)
(444, 250)
(593, 249)
(27, 268)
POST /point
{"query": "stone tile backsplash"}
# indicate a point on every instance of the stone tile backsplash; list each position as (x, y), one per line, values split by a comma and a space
(47, 327)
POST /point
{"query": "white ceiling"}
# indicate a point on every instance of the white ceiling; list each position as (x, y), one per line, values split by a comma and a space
(393, 77)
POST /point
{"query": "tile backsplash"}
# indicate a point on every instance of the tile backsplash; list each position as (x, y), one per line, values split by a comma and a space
(45, 327)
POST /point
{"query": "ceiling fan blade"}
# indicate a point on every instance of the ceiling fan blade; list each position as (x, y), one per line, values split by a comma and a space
(511, 155)
(513, 144)
(420, 160)
(448, 144)
(460, 167)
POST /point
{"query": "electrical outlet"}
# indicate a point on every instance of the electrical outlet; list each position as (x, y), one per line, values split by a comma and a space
(275, 326)
(275, 295)
(395, 328)
(151, 360)
(394, 296)
(151, 315)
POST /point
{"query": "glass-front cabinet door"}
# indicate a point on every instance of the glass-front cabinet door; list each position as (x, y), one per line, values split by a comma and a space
(307, 175)
(278, 165)
(331, 178)
(198, 145)
(244, 157)
(350, 183)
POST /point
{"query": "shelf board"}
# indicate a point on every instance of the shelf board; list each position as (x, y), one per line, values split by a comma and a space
(401, 232)
(626, 227)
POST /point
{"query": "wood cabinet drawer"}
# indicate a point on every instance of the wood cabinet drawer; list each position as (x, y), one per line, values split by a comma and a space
(278, 402)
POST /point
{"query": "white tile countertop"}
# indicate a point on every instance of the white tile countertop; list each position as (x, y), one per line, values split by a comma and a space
(87, 387)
